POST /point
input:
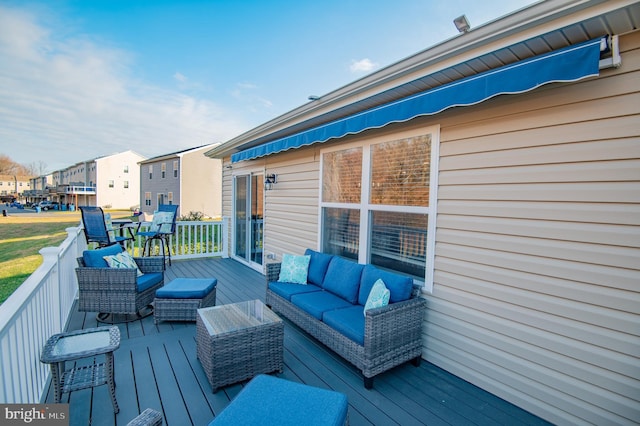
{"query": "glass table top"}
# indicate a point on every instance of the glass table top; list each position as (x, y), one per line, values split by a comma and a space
(236, 316)
(80, 343)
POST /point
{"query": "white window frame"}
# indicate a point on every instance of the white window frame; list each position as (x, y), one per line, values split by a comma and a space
(365, 207)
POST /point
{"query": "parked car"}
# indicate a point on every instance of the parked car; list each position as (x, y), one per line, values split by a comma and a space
(49, 205)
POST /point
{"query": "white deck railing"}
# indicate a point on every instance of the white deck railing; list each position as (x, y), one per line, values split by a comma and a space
(41, 306)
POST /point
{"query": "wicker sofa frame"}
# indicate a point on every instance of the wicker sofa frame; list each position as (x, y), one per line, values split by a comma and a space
(392, 334)
(114, 291)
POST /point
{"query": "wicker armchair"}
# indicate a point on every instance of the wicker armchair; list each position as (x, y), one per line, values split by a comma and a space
(116, 291)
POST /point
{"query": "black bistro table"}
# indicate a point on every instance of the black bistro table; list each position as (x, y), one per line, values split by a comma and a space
(74, 345)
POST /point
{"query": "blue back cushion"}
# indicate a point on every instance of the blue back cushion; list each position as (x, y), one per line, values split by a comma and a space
(317, 266)
(94, 258)
(399, 285)
(343, 278)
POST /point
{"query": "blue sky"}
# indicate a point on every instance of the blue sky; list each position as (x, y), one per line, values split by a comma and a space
(81, 79)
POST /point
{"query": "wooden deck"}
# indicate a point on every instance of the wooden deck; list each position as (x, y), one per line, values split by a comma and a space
(156, 366)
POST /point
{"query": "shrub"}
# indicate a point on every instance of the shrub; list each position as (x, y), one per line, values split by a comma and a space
(192, 217)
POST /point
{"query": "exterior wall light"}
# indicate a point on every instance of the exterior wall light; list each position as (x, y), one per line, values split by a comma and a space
(462, 24)
(269, 180)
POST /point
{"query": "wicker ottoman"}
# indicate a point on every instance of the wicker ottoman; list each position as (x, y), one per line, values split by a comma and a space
(268, 400)
(181, 298)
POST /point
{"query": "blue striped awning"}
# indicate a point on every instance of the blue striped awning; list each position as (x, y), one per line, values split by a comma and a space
(569, 64)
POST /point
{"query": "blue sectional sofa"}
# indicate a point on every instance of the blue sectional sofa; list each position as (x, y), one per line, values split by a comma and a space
(330, 307)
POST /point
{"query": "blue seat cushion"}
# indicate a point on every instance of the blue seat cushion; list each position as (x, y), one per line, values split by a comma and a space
(268, 400)
(286, 290)
(146, 281)
(317, 266)
(95, 258)
(343, 278)
(187, 288)
(319, 302)
(399, 286)
(347, 321)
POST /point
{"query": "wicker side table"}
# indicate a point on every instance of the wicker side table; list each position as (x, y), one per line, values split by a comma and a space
(64, 347)
(238, 341)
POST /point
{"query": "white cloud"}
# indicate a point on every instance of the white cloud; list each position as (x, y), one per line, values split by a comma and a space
(363, 65)
(180, 77)
(68, 100)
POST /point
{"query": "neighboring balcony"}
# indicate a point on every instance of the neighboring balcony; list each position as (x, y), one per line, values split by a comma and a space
(76, 190)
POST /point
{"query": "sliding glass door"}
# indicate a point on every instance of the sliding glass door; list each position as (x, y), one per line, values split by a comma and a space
(248, 207)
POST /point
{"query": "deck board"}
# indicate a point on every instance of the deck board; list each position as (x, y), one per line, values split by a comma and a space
(156, 367)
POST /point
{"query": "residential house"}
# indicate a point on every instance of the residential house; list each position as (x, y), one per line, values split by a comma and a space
(499, 168)
(186, 178)
(14, 187)
(38, 188)
(111, 181)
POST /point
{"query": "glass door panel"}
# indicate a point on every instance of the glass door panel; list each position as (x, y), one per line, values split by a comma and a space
(249, 217)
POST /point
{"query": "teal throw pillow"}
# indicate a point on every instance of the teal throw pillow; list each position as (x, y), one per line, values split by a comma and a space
(378, 297)
(122, 261)
(109, 226)
(294, 269)
(162, 222)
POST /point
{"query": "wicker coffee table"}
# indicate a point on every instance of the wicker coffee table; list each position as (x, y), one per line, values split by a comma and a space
(238, 341)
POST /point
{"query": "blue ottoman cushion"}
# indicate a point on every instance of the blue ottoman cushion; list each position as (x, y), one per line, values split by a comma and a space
(268, 400)
(187, 288)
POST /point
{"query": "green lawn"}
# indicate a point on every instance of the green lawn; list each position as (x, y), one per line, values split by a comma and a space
(22, 237)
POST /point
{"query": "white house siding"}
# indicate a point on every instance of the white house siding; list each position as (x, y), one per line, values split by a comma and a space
(537, 272)
(112, 167)
(200, 186)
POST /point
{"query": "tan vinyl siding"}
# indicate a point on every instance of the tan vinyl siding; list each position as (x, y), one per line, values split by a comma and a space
(291, 214)
(537, 273)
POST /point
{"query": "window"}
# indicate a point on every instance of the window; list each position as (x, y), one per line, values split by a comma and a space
(126, 169)
(126, 184)
(175, 168)
(151, 171)
(169, 197)
(163, 170)
(147, 198)
(375, 203)
(111, 184)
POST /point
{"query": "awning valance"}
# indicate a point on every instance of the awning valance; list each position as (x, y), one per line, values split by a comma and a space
(565, 65)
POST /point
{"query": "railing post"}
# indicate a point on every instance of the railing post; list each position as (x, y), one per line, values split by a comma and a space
(50, 256)
(225, 237)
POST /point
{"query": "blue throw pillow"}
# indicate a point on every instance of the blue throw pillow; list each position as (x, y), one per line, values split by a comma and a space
(378, 297)
(294, 269)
